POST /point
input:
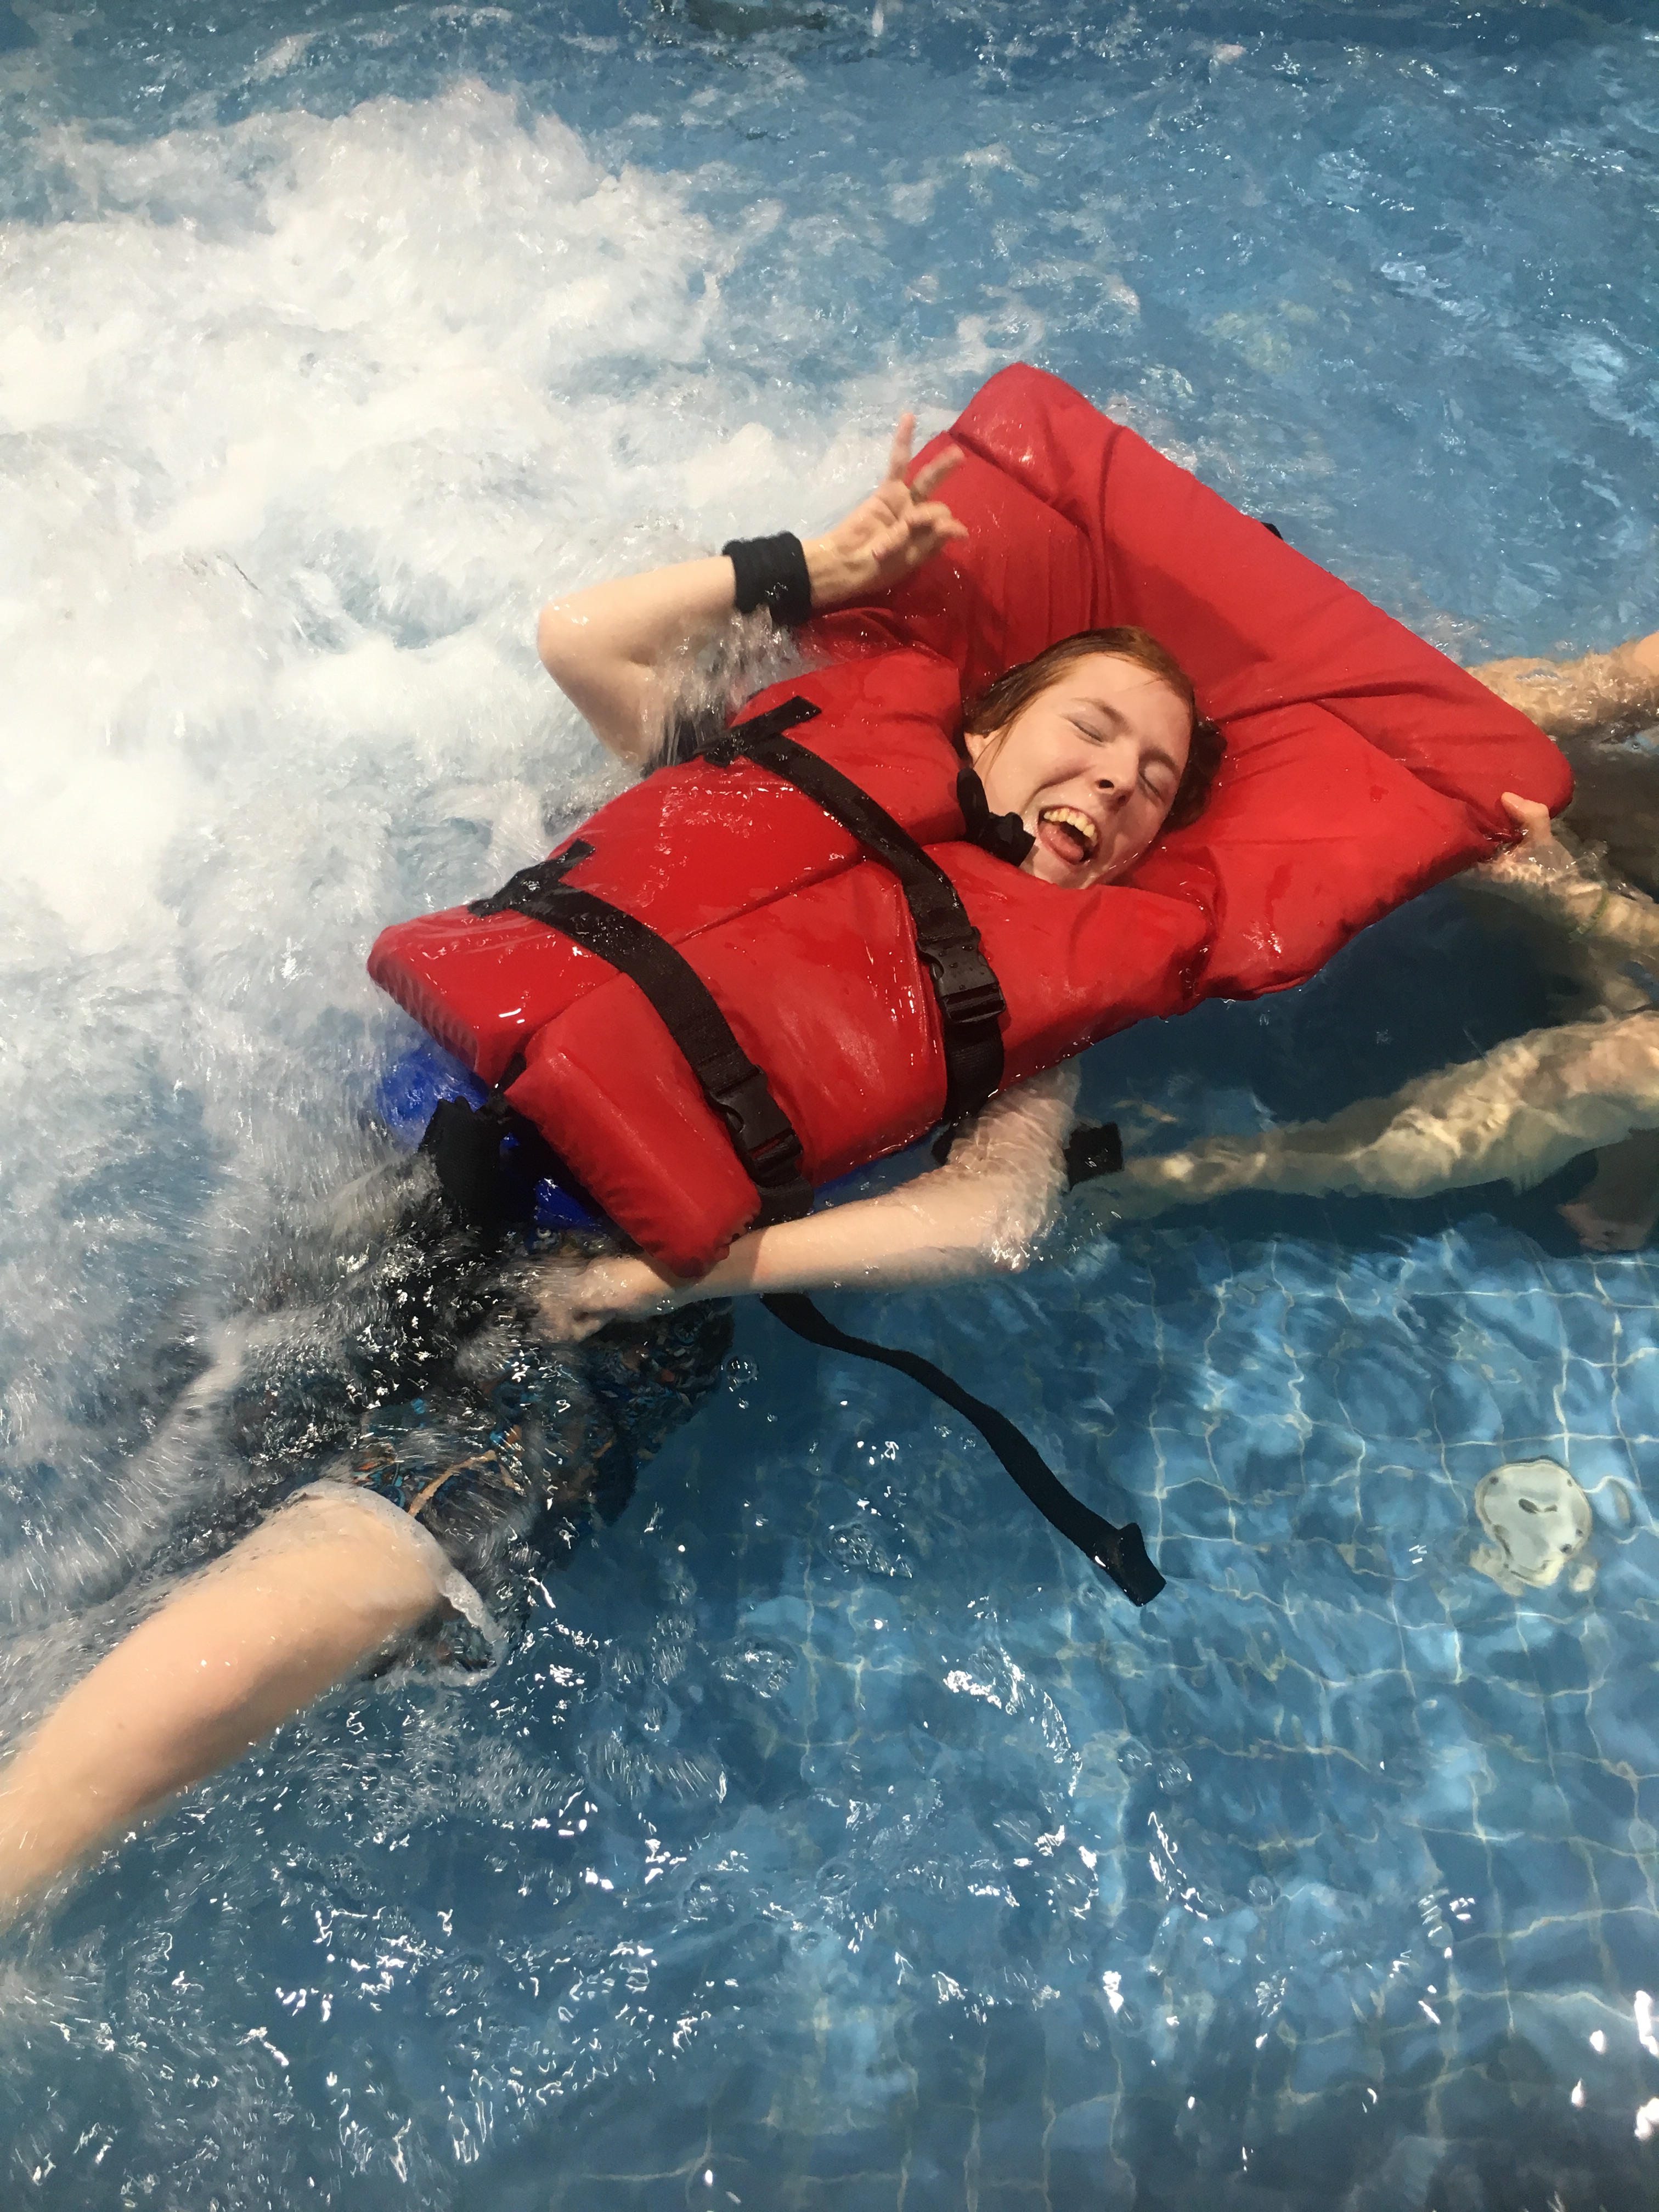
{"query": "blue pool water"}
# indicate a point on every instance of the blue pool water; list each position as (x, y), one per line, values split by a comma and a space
(831, 1837)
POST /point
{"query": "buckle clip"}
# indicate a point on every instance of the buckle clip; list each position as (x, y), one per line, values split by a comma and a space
(970, 994)
(768, 1140)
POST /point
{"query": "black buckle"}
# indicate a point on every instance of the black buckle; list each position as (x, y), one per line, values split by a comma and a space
(1127, 1561)
(764, 1133)
(969, 992)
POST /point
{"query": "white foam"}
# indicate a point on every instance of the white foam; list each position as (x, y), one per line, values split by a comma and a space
(300, 420)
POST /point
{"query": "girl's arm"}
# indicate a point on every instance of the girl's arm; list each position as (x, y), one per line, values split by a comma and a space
(1542, 873)
(986, 1209)
(611, 649)
(1603, 695)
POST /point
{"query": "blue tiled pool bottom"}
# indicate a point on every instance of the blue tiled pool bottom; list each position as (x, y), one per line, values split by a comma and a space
(835, 1837)
(1322, 1872)
(843, 1839)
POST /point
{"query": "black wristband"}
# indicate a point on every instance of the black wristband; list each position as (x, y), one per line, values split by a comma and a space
(771, 573)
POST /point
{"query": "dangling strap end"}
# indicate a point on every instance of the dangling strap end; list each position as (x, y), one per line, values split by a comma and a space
(1119, 1552)
(749, 740)
(1130, 1566)
(533, 884)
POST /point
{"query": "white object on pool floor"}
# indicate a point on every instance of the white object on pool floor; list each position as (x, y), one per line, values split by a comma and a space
(1538, 1519)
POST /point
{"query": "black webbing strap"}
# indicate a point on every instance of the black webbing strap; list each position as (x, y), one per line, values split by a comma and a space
(1003, 834)
(762, 1134)
(1119, 1552)
(970, 1000)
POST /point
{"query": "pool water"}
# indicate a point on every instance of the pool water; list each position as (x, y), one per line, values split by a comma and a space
(832, 1837)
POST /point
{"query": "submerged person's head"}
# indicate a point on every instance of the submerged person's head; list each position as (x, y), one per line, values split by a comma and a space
(1096, 745)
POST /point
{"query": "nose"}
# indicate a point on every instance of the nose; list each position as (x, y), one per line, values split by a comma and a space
(1115, 767)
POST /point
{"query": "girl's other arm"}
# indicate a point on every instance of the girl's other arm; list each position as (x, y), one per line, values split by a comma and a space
(985, 1209)
(611, 649)
(1540, 872)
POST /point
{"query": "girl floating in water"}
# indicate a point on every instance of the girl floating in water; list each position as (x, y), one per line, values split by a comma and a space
(478, 1446)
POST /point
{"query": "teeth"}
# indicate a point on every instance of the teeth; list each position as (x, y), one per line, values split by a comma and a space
(1072, 819)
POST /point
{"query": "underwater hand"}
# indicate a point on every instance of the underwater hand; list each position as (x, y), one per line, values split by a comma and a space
(1532, 818)
(896, 531)
(573, 1297)
(1538, 853)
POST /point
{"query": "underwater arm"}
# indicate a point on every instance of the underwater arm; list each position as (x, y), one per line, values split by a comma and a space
(985, 1209)
(1604, 695)
(1543, 873)
(611, 649)
(1527, 1107)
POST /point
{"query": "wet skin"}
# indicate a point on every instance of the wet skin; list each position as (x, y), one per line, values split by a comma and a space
(1090, 766)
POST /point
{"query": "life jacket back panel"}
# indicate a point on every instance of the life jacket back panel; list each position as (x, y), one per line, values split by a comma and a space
(1361, 767)
(1362, 764)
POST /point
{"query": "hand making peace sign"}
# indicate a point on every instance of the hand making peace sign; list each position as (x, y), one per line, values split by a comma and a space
(896, 531)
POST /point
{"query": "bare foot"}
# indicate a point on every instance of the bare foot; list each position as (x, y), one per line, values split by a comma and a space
(1597, 1234)
(1616, 1210)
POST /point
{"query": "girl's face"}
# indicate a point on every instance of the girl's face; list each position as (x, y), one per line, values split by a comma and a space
(1090, 766)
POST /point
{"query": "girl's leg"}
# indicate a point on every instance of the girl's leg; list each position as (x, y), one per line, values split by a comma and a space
(1530, 1106)
(295, 1607)
(1604, 695)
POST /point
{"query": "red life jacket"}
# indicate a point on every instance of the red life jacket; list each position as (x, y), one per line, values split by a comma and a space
(1362, 766)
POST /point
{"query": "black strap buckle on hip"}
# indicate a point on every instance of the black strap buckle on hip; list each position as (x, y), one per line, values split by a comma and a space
(763, 1135)
(1119, 1552)
(970, 1000)
(488, 1182)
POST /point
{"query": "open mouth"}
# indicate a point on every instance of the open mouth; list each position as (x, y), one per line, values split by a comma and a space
(1067, 833)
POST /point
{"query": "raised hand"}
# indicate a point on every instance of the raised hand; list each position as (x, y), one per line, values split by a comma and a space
(896, 531)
